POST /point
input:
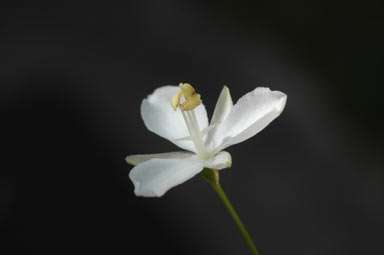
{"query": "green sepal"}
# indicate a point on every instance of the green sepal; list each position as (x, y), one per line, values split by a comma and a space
(210, 175)
(129, 161)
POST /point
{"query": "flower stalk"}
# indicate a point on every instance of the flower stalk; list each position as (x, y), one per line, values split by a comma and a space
(212, 177)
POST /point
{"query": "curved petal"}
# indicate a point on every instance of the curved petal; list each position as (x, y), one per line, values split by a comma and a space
(222, 109)
(222, 160)
(252, 113)
(140, 158)
(160, 118)
(223, 106)
(156, 176)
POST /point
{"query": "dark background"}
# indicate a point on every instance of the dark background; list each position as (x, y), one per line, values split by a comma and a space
(72, 77)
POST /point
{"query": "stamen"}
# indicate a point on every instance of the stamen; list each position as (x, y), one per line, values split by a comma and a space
(194, 132)
(187, 89)
(175, 101)
(192, 100)
(191, 103)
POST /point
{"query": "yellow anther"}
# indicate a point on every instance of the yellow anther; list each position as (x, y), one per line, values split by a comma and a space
(192, 100)
(176, 100)
(187, 89)
(191, 103)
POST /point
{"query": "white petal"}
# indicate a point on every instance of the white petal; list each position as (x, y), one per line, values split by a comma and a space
(222, 160)
(252, 113)
(222, 109)
(204, 132)
(160, 118)
(223, 106)
(154, 177)
(140, 158)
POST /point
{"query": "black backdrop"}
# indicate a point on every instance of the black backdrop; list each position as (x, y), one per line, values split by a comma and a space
(72, 77)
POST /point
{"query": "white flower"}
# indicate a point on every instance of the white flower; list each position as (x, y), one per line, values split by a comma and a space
(154, 174)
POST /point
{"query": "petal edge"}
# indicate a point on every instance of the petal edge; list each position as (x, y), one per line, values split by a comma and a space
(154, 177)
(251, 114)
(136, 159)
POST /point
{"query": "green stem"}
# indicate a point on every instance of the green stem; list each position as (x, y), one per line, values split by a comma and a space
(211, 176)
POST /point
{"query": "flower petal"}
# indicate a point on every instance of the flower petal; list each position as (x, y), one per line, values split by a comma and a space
(223, 106)
(160, 118)
(222, 109)
(252, 113)
(156, 176)
(222, 160)
(140, 158)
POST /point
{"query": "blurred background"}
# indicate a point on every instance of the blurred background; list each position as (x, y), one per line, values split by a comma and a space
(72, 77)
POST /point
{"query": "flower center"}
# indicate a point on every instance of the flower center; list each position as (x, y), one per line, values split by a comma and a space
(191, 101)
